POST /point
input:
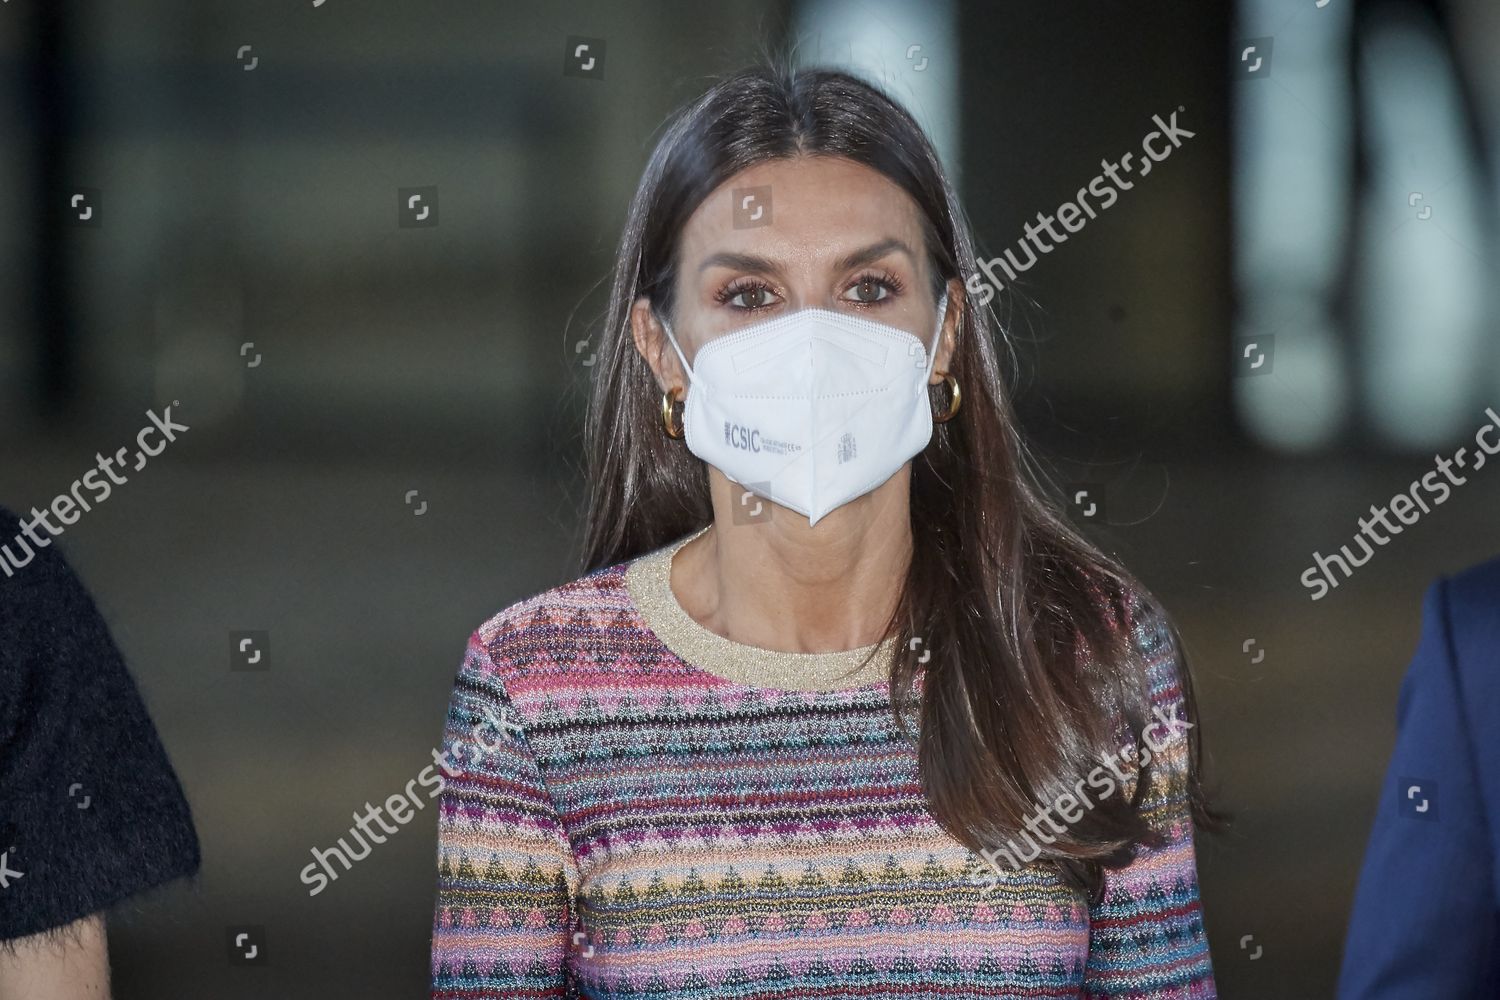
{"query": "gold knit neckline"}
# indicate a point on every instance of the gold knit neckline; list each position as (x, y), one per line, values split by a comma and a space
(648, 580)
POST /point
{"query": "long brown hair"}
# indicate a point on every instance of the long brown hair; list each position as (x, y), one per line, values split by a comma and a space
(1030, 672)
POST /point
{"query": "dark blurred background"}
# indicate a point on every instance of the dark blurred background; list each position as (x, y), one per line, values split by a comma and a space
(245, 257)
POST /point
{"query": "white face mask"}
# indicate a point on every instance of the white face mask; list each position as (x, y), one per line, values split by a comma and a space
(812, 409)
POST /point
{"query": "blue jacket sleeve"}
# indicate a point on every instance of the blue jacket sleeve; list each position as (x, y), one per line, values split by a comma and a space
(1424, 920)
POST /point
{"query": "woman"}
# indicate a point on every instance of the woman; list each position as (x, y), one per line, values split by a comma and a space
(842, 707)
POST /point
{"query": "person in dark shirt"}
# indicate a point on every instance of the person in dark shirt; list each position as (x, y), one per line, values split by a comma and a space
(91, 811)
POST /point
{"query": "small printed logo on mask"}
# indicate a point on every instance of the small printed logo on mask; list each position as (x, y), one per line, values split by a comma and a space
(740, 437)
(846, 448)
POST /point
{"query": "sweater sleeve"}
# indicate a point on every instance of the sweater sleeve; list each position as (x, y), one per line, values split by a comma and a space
(1146, 936)
(506, 874)
(91, 811)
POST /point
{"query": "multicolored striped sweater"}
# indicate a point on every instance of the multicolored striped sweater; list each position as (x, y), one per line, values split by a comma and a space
(634, 811)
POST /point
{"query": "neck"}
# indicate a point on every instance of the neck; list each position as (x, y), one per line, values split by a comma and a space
(779, 584)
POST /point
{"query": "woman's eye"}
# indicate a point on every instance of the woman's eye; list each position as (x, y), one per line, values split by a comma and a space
(754, 297)
(868, 290)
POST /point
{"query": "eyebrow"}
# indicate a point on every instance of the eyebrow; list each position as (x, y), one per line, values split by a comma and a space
(872, 253)
(762, 265)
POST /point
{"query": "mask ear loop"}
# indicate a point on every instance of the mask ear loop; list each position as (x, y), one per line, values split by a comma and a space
(673, 340)
(942, 311)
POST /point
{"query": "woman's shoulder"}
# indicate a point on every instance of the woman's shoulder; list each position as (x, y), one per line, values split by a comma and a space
(587, 626)
(1154, 672)
(1163, 675)
(1154, 639)
(1126, 606)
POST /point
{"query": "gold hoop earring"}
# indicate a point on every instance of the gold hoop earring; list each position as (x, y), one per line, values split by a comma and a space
(954, 401)
(667, 399)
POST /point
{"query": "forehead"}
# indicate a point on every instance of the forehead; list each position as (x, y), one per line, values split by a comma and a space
(817, 206)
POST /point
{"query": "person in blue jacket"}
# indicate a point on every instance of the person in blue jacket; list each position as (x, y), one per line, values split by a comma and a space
(1426, 920)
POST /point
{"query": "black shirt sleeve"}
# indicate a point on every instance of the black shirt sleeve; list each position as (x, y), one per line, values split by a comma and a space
(90, 809)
